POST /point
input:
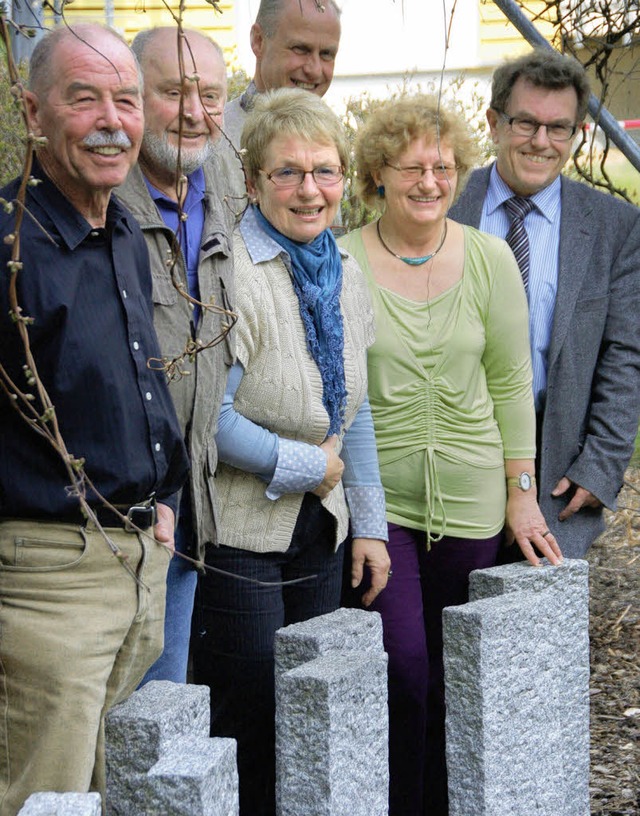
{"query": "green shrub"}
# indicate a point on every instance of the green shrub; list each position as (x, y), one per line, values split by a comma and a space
(635, 459)
(237, 81)
(12, 129)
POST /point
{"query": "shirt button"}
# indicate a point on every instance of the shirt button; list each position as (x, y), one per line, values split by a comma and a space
(136, 345)
(157, 446)
(124, 293)
(94, 233)
(148, 395)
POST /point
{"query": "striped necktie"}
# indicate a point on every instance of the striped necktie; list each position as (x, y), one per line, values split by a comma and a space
(517, 238)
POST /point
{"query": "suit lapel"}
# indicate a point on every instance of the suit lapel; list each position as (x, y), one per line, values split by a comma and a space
(576, 241)
(468, 209)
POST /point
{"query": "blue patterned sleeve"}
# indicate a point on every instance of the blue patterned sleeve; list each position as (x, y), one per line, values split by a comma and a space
(289, 466)
(241, 442)
(361, 478)
(300, 467)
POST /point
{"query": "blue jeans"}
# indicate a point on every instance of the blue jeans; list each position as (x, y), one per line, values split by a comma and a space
(234, 632)
(182, 579)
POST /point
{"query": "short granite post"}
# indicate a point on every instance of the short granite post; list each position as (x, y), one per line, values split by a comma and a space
(331, 717)
(517, 685)
(62, 804)
(160, 759)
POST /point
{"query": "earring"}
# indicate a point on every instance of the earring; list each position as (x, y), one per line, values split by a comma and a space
(380, 190)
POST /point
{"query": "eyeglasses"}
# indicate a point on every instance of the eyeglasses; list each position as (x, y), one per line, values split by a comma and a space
(529, 127)
(324, 176)
(441, 172)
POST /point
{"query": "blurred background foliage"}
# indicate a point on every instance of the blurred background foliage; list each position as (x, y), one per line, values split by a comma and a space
(12, 130)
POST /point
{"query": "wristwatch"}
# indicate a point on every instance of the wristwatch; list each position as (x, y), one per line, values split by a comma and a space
(524, 481)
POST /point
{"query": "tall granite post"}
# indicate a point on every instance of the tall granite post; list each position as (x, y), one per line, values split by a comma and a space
(160, 759)
(517, 684)
(331, 717)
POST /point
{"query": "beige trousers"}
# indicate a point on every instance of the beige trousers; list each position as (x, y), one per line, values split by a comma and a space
(77, 633)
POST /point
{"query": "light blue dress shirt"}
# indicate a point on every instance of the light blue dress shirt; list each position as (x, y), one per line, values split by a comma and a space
(543, 228)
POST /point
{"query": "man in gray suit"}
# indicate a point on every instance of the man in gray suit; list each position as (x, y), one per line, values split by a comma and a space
(581, 249)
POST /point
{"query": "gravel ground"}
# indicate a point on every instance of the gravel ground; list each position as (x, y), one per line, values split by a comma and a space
(615, 661)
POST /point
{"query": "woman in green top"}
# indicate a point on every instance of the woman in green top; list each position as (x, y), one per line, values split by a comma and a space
(450, 391)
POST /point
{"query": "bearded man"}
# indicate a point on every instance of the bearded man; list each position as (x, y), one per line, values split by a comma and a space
(79, 626)
(172, 194)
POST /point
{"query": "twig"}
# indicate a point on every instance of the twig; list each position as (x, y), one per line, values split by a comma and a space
(621, 617)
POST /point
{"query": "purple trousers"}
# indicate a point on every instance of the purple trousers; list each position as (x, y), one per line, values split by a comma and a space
(423, 583)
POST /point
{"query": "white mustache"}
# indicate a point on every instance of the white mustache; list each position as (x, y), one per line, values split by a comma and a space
(105, 138)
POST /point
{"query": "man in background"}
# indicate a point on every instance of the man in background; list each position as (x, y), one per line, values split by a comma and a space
(579, 252)
(295, 43)
(173, 193)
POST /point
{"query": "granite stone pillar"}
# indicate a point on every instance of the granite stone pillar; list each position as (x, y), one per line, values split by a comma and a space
(517, 686)
(160, 759)
(331, 717)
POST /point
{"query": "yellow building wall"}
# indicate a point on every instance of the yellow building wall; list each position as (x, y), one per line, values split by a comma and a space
(500, 39)
(132, 16)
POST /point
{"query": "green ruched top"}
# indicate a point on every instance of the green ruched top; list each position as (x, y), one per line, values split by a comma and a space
(450, 391)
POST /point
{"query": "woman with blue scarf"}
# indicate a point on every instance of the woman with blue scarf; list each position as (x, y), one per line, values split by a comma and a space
(295, 437)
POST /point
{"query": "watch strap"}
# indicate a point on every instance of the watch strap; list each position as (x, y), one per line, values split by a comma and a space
(516, 481)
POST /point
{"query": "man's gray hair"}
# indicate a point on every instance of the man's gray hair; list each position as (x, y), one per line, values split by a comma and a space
(543, 68)
(41, 78)
(143, 39)
(270, 10)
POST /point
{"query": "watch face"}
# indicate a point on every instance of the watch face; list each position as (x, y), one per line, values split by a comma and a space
(525, 481)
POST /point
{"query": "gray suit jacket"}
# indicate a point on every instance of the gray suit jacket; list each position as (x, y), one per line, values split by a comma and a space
(593, 381)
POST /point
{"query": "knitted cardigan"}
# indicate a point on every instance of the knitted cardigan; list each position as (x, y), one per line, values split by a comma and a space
(282, 390)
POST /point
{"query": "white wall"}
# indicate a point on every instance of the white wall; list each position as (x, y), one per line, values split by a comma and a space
(386, 36)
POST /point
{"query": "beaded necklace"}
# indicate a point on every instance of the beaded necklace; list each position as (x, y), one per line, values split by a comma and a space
(414, 261)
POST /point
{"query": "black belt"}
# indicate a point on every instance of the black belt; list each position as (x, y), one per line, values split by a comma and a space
(141, 515)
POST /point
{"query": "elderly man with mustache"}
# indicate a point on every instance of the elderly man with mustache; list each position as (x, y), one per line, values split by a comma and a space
(79, 624)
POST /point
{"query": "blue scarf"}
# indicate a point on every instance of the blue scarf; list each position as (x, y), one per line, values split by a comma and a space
(317, 281)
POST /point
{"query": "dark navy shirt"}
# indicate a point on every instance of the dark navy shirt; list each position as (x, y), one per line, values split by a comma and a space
(89, 293)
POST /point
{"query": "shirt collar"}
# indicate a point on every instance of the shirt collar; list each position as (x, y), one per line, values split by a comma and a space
(261, 247)
(72, 227)
(196, 188)
(547, 200)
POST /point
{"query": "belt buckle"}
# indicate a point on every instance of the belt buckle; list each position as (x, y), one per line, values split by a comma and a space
(140, 516)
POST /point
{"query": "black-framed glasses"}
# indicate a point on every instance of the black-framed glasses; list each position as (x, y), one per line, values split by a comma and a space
(414, 172)
(529, 127)
(324, 176)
